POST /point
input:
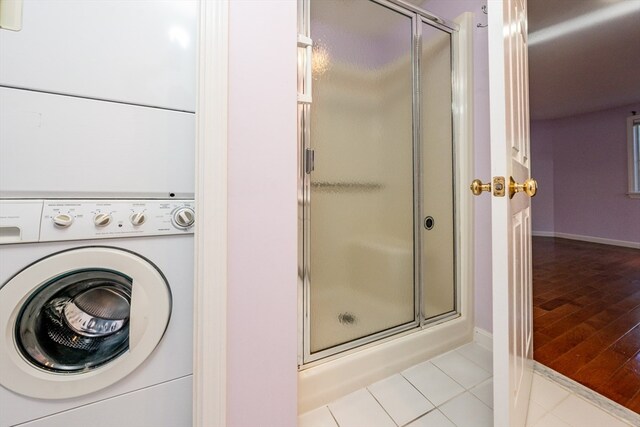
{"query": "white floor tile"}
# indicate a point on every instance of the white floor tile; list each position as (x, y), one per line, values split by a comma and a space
(550, 420)
(467, 410)
(320, 417)
(432, 383)
(395, 401)
(462, 370)
(432, 419)
(400, 399)
(547, 393)
(484, 392)
(536, 412)
(580, 413)
(360, 409)
(478, 354)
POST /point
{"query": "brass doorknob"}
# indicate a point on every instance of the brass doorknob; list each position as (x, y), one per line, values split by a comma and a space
(477, 187)
(530, 187)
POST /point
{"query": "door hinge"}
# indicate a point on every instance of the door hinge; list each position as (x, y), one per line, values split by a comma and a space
(309, 160)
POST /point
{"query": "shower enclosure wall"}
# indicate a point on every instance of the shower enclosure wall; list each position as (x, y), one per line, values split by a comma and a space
(379, 203)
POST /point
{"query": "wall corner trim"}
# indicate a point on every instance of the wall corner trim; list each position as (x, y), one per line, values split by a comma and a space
(543, 233)
(210, 286)
(483, 338)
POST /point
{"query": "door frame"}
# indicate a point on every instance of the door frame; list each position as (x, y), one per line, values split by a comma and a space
(210, 282)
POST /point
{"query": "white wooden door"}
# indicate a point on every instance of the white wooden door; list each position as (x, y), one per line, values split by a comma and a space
(511, 217)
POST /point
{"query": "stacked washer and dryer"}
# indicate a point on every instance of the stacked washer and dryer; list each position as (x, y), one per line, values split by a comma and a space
(97, 104)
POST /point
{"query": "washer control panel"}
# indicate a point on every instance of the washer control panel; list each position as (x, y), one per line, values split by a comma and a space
(55, 220)
(91, 219)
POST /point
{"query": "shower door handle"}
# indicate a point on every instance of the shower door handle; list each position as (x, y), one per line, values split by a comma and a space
(304, 94)
(309, 160)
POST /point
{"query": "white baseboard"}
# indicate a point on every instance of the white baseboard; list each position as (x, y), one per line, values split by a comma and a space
(543, 233)
(601, 240)
(483, 338)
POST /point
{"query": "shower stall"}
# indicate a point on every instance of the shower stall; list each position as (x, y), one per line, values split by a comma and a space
(380, 160)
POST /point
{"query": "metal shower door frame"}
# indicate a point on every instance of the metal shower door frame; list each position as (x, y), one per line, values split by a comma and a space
(455, 90)
(305, 358)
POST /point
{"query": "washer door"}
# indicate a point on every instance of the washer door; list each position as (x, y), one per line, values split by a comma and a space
(80, 320)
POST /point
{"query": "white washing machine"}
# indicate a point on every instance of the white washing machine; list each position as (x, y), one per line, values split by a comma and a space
(96, 312)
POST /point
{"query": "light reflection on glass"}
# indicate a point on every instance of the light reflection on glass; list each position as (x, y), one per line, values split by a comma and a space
(321, 62)
(179, 36)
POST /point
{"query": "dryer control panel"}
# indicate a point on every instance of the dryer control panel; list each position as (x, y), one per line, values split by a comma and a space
(23, 221)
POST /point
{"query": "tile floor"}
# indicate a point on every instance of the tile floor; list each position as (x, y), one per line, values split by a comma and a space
(453, 390)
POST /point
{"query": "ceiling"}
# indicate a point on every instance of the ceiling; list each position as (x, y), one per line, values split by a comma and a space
(584, 55)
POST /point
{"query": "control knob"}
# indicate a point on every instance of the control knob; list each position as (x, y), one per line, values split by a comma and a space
(138, 218)
(183, 217)
(102, 219)
(63, 220)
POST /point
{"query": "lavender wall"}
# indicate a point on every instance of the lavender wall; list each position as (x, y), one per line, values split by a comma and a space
(262, 293)
(262, 299)
(542, 170)
(482, 162)
(589, 175)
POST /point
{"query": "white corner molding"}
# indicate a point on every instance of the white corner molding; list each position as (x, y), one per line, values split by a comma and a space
(483, 338)
(465, 165)
(543, 234)
(210, 288)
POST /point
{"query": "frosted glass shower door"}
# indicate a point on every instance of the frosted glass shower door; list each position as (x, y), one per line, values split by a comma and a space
(438, 238)
(361, 204)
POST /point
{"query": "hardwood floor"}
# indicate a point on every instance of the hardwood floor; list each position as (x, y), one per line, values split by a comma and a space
(586, 309)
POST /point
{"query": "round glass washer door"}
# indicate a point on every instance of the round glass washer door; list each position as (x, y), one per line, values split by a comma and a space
(86, 317)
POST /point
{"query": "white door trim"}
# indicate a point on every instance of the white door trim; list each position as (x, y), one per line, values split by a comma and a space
(210, 287)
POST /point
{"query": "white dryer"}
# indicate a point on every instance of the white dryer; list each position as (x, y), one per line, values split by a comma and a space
(97, 100)
(134, 52)
(55, 146)
(96, 312)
